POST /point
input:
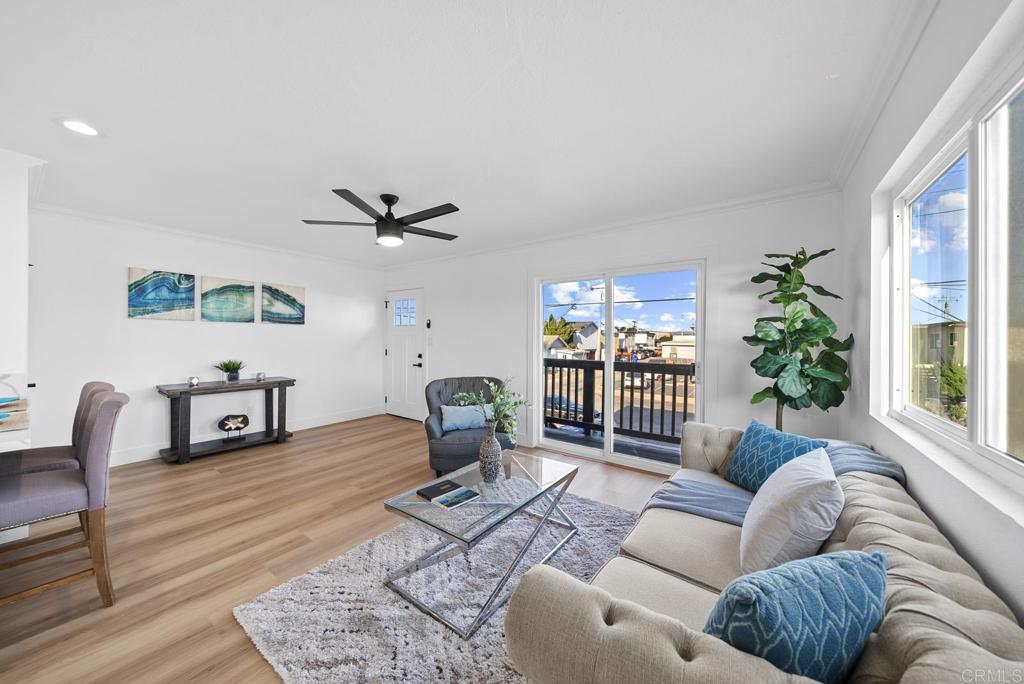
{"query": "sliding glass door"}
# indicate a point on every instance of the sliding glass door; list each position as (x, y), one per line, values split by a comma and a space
(620, 372)
(573, 361)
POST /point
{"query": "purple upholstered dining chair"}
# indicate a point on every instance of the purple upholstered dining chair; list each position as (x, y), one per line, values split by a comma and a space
(33, 497)
(39, 459)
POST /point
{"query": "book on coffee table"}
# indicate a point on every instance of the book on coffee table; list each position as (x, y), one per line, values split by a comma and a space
(431, 492)
(456, 498)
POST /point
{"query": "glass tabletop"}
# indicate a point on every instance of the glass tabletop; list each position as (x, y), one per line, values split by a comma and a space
(523, 479)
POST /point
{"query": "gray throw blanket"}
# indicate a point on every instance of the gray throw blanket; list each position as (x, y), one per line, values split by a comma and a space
(730, 505)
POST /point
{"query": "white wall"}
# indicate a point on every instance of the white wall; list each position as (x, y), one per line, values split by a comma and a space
(983, 518)
(80, 331)
(479, 305)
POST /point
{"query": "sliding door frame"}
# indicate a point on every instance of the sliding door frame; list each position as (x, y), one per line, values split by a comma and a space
(535, 389)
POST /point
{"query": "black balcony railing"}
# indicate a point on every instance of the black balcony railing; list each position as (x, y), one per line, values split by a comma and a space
(650, 400)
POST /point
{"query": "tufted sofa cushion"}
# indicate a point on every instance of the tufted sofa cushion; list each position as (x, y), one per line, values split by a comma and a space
(940, 619)
(708, 447)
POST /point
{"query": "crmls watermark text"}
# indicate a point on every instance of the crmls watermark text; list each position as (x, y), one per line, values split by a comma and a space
(980, 676)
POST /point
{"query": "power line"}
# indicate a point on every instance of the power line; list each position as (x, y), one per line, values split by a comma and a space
(625, 301)
(951, 317)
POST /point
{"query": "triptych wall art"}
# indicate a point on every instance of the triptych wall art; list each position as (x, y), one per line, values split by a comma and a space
(169, 295)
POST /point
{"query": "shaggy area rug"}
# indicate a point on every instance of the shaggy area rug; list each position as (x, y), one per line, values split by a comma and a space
(339, 623)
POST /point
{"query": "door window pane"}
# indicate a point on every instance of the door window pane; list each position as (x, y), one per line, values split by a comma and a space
(938, 296)
(573, 348)
(655, 350)
(405, 312)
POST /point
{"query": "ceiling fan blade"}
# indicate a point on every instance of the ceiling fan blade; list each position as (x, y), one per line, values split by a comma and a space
(359, 204)
(334, 223)
(429, 233)
(428, 214)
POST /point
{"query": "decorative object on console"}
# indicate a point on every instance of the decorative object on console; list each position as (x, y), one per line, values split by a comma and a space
(506, 405)
(161, 294)
(227, 300)
(233, 423)
(762, 450)
(803, 375)
(490, 453)
(193, 381)
(808, 617)
(792, 514)
(283, 304)
(13, 404)
(231, 368)
(261, 376)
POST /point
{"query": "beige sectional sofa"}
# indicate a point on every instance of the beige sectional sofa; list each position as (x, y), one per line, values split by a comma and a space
(641, 617)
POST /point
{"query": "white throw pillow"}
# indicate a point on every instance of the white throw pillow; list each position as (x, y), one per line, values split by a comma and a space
(792, 514)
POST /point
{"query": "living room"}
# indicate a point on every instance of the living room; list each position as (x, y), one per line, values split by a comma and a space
(479, 286)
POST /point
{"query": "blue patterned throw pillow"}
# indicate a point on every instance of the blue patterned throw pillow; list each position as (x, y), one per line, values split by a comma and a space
(763, 450)
(808, 617)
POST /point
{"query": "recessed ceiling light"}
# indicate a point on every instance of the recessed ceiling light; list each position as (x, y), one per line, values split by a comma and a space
(80, 127)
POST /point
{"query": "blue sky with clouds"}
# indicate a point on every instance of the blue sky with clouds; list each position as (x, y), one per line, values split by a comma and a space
(582, 300)
(938, 248)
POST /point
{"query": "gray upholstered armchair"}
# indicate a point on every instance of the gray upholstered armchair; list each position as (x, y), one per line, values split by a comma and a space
(453, 450)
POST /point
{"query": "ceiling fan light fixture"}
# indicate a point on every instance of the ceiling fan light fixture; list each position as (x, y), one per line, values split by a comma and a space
(389, 234)
(389, 240)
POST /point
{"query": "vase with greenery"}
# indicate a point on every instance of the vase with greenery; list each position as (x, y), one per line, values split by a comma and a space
(799, 349)
(506, 405)
(231, 368)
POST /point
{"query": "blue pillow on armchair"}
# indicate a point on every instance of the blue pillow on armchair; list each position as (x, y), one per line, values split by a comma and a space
(763, 450)
(465, 417)
(808, 617)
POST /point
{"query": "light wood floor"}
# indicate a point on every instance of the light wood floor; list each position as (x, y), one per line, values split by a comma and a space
(188, 543)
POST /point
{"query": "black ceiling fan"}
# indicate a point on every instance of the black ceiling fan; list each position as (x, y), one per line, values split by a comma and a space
(391, 230)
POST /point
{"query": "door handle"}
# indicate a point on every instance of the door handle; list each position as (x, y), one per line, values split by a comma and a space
(418, 365)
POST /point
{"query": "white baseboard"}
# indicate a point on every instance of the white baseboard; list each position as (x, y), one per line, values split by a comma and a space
(146, 452)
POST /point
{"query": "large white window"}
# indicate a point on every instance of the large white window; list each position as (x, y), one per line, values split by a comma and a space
(958, 288)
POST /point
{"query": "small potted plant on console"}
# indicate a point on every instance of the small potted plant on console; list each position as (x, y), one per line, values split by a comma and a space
(231, 368)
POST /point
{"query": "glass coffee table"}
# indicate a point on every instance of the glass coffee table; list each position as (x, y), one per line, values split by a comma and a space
(524, 480)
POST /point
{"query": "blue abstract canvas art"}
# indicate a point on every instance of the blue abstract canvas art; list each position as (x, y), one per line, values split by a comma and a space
(161, 294)
(283, 304)
(228, 301)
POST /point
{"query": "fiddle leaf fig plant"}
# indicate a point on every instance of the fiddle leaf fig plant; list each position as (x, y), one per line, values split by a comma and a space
(799, 348)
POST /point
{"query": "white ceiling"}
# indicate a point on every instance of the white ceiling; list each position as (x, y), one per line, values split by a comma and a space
(537, 118)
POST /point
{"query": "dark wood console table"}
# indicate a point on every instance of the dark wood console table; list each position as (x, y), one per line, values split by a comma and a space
(182, 449)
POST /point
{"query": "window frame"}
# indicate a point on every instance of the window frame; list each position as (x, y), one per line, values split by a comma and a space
(970, 442)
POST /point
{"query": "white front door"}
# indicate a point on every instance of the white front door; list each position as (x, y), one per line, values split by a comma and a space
(405, 362)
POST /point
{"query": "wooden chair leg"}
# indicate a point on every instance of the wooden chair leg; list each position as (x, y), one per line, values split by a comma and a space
(97, 525)
(83, 520)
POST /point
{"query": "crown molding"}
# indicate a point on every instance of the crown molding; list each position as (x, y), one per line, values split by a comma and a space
(139, 225)
(905, 31)
(736, 204)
